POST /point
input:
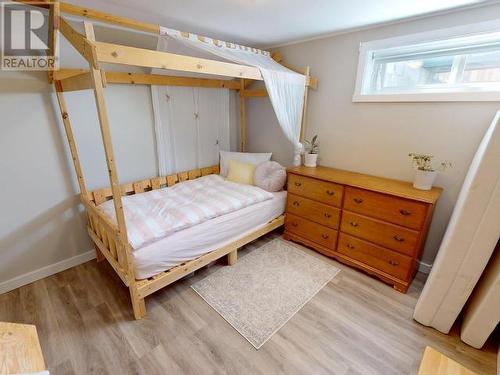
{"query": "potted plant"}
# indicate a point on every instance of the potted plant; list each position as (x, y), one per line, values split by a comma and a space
(425, 172)
(311, 154)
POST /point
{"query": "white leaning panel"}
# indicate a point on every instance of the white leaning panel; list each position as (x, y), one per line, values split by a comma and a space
(470, 238)
(483, 311)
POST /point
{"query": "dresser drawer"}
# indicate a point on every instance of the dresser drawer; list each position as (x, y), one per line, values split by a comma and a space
(385, 260)
(318, 212)
(311, 231)
(388, 235)
(396, 210)
(323, 191)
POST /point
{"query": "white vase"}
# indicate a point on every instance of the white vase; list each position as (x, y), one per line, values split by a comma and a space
(424, 179)
(310, 160)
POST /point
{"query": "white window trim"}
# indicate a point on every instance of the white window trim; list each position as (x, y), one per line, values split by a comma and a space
(432, 95)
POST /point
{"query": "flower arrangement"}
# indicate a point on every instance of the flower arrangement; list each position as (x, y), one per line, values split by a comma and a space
(312, 146)
(423, 162)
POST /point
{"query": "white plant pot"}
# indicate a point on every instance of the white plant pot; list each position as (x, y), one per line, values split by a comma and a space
(424, 179)
(310, 160)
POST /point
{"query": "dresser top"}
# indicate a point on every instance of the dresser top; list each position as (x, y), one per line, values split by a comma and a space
(398, 188)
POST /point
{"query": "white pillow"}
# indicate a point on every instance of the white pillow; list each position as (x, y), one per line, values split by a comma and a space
(270, 176)
(244, 157)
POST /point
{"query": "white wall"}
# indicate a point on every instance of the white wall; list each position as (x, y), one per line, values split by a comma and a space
(375, 138)
(42, 224)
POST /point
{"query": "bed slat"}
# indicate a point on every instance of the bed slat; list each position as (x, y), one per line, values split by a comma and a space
(112, 248)
(141, 186)
(102, 195)
(195, 173)
(172, 180)
(158, 182)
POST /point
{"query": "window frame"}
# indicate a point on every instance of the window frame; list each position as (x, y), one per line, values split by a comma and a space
(459, 93)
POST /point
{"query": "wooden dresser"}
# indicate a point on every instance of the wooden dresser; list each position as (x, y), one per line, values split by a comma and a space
(376, 224)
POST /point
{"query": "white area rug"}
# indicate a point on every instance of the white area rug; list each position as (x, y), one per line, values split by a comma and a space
(265, 288)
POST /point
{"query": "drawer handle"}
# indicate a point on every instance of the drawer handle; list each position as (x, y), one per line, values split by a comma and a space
(358, 200)
(294, 224)
(349, 246)
(330, 192)
(394, 262)
(327, 215)
(325, 236)
(353, 224)
(296, 204)
(399, 239)
(298, 184)
(405, 213)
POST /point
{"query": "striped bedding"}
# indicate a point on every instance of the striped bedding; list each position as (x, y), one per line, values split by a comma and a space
(157, 214)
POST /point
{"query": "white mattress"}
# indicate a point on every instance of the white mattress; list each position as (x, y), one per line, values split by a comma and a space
(156, 214)
(469, 241)
(195, 241)
(483, 311)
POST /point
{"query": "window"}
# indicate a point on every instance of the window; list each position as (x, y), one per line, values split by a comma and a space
(447, 65)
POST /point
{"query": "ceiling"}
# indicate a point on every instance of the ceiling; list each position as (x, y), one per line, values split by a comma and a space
(266, 23)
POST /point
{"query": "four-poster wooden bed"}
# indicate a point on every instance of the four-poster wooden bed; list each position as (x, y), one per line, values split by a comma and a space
(109, 237)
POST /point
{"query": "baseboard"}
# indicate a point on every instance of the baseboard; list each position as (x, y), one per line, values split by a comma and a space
(46, 271)
(424, 267)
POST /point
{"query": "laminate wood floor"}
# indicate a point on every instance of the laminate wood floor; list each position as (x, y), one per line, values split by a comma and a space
(354, 325)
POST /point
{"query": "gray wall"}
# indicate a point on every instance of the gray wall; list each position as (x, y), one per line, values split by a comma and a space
(375, 138)
(41, 220)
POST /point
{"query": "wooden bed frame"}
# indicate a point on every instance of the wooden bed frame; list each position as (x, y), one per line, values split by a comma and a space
(110, 238)
(108, 244)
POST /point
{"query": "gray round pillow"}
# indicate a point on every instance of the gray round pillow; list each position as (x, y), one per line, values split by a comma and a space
(270, 176)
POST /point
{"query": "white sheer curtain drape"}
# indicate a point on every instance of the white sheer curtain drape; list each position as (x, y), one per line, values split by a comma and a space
(285, 88)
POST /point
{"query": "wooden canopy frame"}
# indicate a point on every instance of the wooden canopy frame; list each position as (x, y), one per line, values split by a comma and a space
(111, 238)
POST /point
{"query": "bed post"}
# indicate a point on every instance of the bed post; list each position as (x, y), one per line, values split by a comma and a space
(232, 257)
(124, 257)
(243, 135)
(71, 140)
(74, 151)
(304, 108)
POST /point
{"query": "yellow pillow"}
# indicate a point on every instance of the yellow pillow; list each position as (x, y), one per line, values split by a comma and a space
(240, 172)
